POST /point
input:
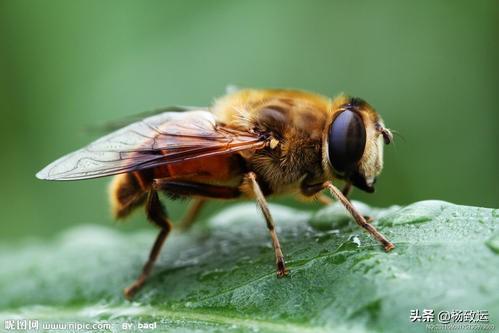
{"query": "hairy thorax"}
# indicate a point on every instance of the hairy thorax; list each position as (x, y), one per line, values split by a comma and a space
(295, 122)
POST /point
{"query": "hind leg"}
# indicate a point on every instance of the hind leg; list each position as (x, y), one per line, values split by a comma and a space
(126, 195)
(156, 213)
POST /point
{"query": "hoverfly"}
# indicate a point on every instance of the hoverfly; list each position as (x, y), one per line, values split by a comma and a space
(249, 144)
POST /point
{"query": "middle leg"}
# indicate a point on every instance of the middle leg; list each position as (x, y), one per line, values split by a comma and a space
(185, 188)
(192, 214)
(262, 203)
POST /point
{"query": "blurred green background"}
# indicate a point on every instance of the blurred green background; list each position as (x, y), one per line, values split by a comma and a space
(429, 67)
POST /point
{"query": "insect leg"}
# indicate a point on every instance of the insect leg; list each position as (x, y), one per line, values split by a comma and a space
(358, 217)
(315, 190)
(203, 191)
(347, 189)
(262, 203)
(156, 213)
(186, 188)
(192, 213)
(324, 199)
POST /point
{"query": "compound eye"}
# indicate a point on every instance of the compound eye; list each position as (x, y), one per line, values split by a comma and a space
(347, 140)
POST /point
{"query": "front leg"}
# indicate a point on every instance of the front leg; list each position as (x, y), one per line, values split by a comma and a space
(314, 190)
(347, 189)
(262, 203)
(358, 217)
(326, 201)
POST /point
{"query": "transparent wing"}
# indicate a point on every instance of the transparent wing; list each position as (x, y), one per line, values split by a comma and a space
(119, 123)
(169, 137)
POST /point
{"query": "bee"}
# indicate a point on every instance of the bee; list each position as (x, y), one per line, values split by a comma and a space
(248, 144)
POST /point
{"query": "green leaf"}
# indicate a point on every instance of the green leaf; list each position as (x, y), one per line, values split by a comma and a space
(220, 276)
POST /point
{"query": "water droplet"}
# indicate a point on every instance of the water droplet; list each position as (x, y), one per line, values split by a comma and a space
(356, 240)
